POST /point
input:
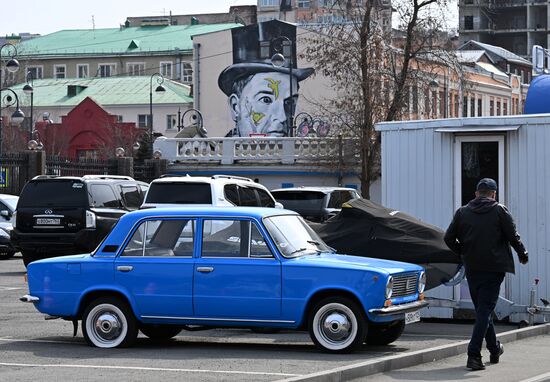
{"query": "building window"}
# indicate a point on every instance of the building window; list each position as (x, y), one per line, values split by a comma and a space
(415, 99)
(479, 107)
(143, 120)
(473, 107)
(119, 119)
(107, 70)
(468, 22)
(135, 68)
(303, 3)
(186, 72)
(269, 3)
(36, 72)
(492, 107)
(166, 69)
(82, 70)
(498, 107)
(465, 106)
(59, 71)
(171, 121)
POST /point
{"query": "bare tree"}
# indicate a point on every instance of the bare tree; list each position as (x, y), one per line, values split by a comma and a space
(373, 70)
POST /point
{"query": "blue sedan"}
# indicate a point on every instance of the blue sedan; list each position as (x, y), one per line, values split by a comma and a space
(163, 270)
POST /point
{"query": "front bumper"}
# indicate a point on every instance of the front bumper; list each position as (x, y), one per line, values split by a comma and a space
(399, 309)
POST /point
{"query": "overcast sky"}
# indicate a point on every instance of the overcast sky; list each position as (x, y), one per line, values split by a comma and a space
(47, 16)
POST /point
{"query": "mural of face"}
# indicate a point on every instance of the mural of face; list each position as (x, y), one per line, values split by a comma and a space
(260, 108)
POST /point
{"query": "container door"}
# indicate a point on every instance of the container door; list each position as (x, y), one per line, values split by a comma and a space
(477, 157)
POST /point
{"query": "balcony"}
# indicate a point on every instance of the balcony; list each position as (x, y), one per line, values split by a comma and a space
(260, 150)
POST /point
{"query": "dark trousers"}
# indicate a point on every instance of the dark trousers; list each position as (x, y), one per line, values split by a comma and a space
(484, 289)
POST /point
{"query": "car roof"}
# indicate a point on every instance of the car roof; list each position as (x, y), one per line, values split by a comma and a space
(325, 190)
(254, 212)
(206, 179)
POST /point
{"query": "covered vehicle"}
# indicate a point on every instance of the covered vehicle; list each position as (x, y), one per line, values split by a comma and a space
(167, 269)
(364, 228)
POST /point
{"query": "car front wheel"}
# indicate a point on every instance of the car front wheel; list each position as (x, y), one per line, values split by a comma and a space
(160, 333)
(108, 322)
(337, 325)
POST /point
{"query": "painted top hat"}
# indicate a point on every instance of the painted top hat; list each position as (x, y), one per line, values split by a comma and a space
(253, 47)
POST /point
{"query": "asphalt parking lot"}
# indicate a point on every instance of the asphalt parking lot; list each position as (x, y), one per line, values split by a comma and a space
(34, 349)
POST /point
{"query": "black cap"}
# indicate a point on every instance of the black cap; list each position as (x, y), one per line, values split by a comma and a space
(486, 184)
(249, 57)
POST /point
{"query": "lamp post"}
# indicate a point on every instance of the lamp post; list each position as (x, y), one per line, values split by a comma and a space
(29, 90)
(17, 117)
(278, 60)
(159, 88)
(12, 65)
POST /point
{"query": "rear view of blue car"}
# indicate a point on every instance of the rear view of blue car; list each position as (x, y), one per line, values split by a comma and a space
(161, 270)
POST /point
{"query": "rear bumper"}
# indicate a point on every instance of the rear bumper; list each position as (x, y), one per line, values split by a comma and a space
(399, 309)
(57, 243)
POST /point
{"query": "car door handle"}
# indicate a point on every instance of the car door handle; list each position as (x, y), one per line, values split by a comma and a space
(124, 268)
(205, 269)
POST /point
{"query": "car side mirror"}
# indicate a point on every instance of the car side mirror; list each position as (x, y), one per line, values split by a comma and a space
(6, 214)
(279, 205)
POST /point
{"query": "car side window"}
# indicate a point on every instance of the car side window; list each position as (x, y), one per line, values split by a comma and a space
(164, 238)
(103, 196)
(231, 193)
(131, 196)
(335, 200)
(265, 199)
(248, 197)
(233, 238)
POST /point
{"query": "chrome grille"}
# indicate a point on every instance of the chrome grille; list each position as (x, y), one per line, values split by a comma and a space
(404, 285)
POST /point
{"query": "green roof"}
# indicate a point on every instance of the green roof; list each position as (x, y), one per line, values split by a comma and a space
(106, 91)
(131, 40)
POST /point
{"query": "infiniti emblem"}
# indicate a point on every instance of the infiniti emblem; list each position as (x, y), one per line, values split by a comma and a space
(49, 212)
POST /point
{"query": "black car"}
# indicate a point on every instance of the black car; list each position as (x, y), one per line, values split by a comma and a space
(70, 215)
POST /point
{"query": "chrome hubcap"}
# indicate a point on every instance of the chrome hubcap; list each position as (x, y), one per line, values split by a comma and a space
(108, 326)
(335, 326)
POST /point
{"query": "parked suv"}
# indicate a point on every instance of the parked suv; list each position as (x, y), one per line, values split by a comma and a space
(218, 190)
(315, 203)
(69, 215)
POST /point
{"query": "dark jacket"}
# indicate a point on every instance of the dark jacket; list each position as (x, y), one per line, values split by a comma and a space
(482, 232)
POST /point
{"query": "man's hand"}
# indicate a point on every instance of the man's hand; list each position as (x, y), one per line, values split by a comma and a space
(523, 258)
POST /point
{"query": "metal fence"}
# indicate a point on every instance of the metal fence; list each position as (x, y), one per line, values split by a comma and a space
(79, 167)
(13, 173)
(144, 171)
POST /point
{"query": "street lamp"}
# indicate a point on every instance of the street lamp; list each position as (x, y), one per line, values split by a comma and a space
(28, 90)
(195, 119)
(278, 60)
(17, 117)
(159, 88)
(12, 65)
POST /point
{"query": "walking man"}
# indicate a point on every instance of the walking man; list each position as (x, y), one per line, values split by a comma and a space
(482, 232)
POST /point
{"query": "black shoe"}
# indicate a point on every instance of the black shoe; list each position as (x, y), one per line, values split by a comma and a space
(494, 358)
(475, 363)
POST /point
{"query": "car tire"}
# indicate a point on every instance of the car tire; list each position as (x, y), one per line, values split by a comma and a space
(160, 332)
(384, 334)
(6, 255)
(29, 256)
(108, 322)
(337, 325)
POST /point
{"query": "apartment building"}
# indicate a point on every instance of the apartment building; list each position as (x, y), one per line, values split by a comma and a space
(311, 12)
(515, 25)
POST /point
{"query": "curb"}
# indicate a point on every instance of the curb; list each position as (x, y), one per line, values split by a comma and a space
(401, 361)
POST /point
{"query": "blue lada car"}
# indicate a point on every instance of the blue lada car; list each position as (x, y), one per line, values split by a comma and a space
(163, 270)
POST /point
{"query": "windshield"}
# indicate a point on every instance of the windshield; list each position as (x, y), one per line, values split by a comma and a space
(294, 237)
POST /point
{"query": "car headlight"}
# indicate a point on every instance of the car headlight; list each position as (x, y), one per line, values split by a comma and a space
(389, 287)
(422, 282)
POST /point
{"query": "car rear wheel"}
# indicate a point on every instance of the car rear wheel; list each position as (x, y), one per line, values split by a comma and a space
(160, 332)
(6, 254)
(108, 322)
(337, 325)
(385, 334)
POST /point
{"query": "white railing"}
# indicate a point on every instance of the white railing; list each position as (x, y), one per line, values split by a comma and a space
(254, 149)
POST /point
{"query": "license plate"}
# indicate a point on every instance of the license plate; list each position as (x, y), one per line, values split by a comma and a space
(48, 221)
(411, 317)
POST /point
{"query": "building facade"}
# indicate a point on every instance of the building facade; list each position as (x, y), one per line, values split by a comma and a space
(241, 14)
(515, 25)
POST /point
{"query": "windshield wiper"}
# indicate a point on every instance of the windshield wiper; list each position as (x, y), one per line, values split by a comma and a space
(313, 242)
(298, 250)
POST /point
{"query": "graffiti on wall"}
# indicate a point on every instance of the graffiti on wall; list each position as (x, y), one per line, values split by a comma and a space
(262, 96)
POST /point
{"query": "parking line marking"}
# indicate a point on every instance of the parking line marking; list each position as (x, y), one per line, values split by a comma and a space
(44, 341)
(148, 369)
(2, 288)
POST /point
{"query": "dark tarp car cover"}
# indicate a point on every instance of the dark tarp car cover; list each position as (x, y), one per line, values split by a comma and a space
(364, 228)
